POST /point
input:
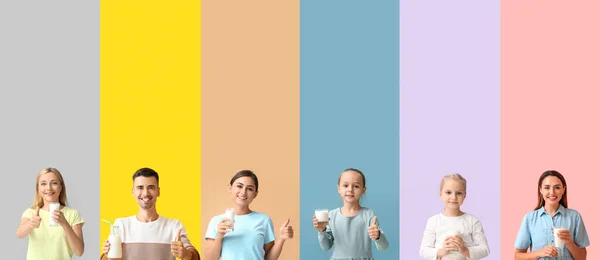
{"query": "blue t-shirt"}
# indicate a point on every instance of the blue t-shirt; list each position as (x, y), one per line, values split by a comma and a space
(250, 234)
(536, 230)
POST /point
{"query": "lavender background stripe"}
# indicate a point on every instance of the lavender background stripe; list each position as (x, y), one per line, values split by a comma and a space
(449, 113)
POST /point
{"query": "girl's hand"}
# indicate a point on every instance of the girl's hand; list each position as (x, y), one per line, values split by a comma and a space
(549, 251)
(223, 226)
(35, 220)
(565, 236)
(59, 218)
(374, 230)
(460, 245)
(449, 244)
(320, 226)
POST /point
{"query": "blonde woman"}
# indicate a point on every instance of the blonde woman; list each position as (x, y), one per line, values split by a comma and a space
(46, 241)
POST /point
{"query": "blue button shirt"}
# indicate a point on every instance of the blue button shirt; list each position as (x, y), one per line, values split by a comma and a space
(536, 230)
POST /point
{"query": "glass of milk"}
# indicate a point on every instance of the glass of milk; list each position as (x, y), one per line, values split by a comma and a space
(51, 208)
(558, 243)
(230, 214)
(322, 215)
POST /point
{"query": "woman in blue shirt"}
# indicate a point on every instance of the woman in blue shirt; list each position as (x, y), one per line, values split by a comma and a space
(536, 232)
(251, 234)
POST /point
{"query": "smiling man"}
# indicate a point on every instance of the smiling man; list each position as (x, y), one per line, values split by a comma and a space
(148, 235)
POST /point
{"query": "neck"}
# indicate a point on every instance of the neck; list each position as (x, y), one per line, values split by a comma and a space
(551, 209)
(242, 210)
(352, 207)
(453, 212)
(147, 215)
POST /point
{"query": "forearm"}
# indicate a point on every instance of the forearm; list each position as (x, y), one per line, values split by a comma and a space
(381, 243)
(75, 242)
(526, 255)
(478, 252)
(577, 252)
(325, 240)
(213, 252)
(275, 251)
(194, 255)
(24, 230)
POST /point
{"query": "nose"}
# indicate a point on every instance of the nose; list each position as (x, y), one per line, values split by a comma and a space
(145, 192)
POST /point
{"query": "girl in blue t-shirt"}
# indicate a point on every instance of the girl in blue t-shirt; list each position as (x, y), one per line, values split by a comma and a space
(250, 235)
(350, 228)
(552, 220)
(58, 240)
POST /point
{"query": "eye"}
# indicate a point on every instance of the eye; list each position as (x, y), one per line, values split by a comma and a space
(459, 193)
(448, 192)
(251, 189)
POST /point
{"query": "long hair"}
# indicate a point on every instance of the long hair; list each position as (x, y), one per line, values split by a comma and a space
(563, 200)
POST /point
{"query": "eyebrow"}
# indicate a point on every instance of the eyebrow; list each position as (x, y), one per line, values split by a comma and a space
(249, 185)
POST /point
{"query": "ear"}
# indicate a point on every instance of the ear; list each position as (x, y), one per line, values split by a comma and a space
(256, 194)
(158, 195)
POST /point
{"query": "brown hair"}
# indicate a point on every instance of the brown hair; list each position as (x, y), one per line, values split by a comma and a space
(38, 201)
(356, 171)
(563, 200)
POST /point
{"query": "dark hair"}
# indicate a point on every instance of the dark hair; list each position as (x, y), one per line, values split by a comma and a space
(245, 173)
(354, 170)
(145, 172)
(563, 200)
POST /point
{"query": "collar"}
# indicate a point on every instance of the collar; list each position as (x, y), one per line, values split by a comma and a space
(541, 211)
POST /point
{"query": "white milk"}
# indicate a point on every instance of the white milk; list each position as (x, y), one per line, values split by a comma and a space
(51, 208)
(230, 214)
(116, 251)
(558, 243)
(322, 215)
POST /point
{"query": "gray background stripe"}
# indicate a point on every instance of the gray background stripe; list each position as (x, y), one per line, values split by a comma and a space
(49, 110)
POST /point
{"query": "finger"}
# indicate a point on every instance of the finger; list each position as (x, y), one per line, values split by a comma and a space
(287, 222)
(178, 236)
(375, 221)
(37, 211)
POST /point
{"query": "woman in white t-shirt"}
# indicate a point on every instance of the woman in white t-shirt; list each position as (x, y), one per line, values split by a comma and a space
(48, 240)
(251, 234)
(453, 234)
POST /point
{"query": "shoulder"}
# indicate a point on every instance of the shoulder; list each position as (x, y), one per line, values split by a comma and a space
(572, 213)
(68, 210)
(334, 212)
(260, 216)
(124, 221)
(368, 211)
(216, 219)
(470, 217)
(435, 218)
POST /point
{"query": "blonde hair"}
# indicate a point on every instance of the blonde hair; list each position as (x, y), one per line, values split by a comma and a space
(38, 201)
(456, 177)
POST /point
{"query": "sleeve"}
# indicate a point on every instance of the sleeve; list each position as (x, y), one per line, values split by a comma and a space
(211, 231)
(480, 249)
(75, 218)
(523, 240)
(326, 237)
(580, 236)
(382, 243)
(183, 236)
(269, 234)
(428, 250)
(27, 214)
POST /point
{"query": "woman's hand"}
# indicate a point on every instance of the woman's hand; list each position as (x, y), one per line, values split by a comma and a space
(549, 251)
(224, 227)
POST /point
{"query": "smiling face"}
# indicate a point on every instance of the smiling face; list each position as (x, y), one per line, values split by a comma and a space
(552, 190)
(351, 186)
(49, 187)
(146, 191)
(453, 194)
(243, 191)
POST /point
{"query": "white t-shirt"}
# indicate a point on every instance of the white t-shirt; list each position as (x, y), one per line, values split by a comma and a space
(439, 227)
(150, 240)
